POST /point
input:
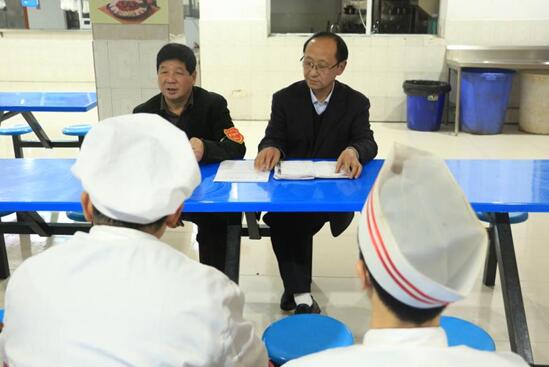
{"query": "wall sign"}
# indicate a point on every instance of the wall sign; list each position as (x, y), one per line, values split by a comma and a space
(129, 11)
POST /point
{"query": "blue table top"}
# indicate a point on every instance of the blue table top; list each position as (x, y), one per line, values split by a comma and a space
(490, 185)
(47, 101)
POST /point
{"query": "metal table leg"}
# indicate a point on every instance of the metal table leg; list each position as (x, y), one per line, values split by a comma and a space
(510, 286)
(35, 126)
(6, 115)
(4, 264)
(490, 265)
(232, 260)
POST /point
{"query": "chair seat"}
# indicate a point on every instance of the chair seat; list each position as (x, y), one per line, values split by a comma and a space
(77, 216)
(514, 218)
(461, 332)
(299, 335)
(77, 130)
(15, 130)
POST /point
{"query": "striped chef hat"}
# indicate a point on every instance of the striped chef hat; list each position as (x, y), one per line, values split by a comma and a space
(420, 238)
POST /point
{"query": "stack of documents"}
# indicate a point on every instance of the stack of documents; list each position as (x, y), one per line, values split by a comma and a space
(244, 171)
(307, 170)
(239, 171)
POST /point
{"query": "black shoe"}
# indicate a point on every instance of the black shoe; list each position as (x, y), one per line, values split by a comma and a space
(305, 308)
(287, 302)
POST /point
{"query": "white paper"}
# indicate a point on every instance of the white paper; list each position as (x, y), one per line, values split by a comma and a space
(327, 169)
(306, 170)
(240, 171)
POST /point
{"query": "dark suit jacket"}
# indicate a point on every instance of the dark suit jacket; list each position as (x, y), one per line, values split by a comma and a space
(345, 124)
(206, 118)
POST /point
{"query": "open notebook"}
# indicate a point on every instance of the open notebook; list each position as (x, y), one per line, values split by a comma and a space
(306, 170)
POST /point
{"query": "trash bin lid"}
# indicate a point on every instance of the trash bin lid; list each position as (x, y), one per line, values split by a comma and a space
(425, 87)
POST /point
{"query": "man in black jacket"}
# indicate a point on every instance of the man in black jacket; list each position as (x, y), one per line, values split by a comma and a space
(318, 117)
(204, 117)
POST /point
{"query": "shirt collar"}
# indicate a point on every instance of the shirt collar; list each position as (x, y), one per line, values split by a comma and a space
(433, 337)
(112, 232)
(164, 105)
(326, 100)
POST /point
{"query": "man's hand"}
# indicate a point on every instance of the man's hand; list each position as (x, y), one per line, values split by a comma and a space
(267, 159)
(198, 148)
(348, 163)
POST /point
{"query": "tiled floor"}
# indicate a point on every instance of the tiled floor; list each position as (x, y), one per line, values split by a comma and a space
(335, 285)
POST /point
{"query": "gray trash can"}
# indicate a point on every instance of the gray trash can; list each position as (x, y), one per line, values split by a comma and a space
(534, 102)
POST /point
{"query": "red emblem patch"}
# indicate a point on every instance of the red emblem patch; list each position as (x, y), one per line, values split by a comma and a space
(234, 135)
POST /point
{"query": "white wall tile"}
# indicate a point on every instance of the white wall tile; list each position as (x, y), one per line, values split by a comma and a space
(124, 67)
(379, 58)
(104, 103)
(377, 108)
(101, 64)
(124, 100)
(394, 109)
(147, 62)
(147, 93)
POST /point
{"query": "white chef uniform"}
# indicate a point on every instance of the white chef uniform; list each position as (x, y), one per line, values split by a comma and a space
(415, 347)
(423, 244)
(119, 296)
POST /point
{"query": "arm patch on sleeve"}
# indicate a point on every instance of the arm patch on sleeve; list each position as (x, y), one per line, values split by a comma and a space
(234, 135)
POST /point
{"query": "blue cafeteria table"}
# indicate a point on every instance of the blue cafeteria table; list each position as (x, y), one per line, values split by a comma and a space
(25, 103)
(496, 186)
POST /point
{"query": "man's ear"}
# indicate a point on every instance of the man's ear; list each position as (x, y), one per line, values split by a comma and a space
(363, 274)
(193, 75)
(87, 206)
(173, 219)
(341, 67)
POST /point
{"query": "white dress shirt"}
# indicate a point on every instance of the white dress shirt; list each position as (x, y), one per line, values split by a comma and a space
(321, 106)
(417, 347)
(121, 297)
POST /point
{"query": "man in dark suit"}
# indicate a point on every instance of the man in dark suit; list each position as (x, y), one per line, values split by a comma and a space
(318, 117)
(204, 117)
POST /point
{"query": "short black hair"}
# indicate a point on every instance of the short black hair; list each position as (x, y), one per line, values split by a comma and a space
(177, 51)
(101, 219)
(401, 310)
(342, 52)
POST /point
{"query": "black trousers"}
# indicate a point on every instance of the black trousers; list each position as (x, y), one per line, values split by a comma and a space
(212, 236)
(292, 240)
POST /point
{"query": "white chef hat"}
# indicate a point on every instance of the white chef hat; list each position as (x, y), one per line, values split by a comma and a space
(420, 238)
(137, 168)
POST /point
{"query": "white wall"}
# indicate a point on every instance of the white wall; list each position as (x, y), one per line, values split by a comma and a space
(242, 62)
(497, 22)
(46, 56)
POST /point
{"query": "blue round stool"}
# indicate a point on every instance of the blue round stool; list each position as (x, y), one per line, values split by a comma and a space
(514, 218)
(79, 130)
(299, 335)
(15, 132)
(77, 216)
(461, 332)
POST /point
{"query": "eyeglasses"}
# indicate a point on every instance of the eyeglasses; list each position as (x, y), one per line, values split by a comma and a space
(320, 67)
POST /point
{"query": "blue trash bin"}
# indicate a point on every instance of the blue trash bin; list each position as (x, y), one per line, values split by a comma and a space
(425, 103)
(484, 97)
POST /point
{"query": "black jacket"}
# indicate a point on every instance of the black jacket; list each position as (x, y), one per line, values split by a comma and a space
(345, 123)
(205, 118)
